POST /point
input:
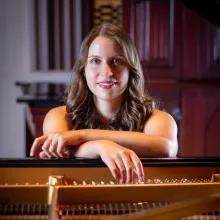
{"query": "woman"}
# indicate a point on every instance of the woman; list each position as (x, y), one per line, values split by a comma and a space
(107, 114)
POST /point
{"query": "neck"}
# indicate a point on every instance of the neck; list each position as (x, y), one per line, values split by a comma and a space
(108, 109)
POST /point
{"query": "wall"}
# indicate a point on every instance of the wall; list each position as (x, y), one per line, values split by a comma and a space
(15, 62)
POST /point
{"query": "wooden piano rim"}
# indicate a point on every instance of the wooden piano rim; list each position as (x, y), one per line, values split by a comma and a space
(79, 162)
(134, 193)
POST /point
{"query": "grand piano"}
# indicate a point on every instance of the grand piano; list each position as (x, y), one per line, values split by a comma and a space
(178, 188)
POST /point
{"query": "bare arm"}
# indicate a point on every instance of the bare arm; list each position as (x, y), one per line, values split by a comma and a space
(56, 120)
(159, 137)
(118, 149)
(121, 161)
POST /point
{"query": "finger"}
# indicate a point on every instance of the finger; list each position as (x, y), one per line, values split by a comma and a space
(46, 147)
(43, 155)
(37, 143)
(119, 163)
(60, 148)
(53, 148)
(128, 166)
(69, 151)
(138, 166)
(112, 167)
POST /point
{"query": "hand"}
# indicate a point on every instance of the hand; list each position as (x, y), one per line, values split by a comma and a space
(56, 144)
(69, 152)
(121, 161)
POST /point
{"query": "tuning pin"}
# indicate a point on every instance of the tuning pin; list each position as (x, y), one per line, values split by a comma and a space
(194, 180)
(75, 183)
(148, 181)
(84, 182)
(158, 181)
(140, 182)
(112, 182)
(102, 183)
(166, 181)
(182, 181)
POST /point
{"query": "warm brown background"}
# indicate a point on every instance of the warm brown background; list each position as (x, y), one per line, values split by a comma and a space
(176, 46)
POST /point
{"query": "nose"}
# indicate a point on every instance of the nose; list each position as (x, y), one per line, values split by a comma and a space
(106, 70)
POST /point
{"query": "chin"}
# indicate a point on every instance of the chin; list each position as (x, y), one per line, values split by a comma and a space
(107, 98)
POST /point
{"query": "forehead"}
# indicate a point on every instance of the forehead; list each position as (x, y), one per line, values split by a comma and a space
(104, 46)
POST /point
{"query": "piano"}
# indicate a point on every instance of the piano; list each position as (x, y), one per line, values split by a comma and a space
(174, 188)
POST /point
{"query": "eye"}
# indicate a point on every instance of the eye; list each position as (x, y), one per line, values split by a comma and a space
(95, 61)
(117, 61)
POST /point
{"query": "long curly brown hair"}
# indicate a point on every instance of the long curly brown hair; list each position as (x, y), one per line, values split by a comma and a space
(137, 105)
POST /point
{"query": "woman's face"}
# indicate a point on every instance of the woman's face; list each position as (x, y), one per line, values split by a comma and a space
(106, 70)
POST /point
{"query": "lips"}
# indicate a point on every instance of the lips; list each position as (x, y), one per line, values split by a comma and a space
(106, 84)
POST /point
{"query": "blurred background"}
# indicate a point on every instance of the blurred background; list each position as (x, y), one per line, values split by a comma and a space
(178, 42)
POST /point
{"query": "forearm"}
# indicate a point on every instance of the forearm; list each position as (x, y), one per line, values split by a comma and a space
(87, 150)
(141, 143)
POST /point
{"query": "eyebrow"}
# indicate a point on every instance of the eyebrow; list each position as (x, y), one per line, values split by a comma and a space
(93, 56)
(118, 55)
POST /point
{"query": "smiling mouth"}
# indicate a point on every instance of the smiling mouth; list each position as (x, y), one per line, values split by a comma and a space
(106, 85)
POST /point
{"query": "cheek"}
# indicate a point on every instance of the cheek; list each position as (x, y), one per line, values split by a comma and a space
(90, 74)
(90, 78)
(125, 77)
(90, 82)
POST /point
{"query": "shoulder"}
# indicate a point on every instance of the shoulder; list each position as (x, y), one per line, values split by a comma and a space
(161, 123)
(160, 115)
(56, 119)
(57, 111)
